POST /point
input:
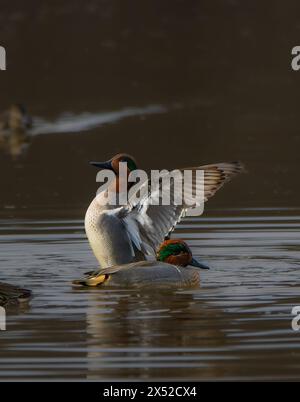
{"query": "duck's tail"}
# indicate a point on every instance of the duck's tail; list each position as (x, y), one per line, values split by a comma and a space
(97, 278)
(92, 280)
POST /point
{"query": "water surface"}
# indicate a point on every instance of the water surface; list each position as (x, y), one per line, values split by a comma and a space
(237, 325)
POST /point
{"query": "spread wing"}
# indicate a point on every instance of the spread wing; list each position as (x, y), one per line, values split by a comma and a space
(148, 224)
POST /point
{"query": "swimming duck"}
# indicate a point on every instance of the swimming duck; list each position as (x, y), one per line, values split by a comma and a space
(174, 267)
(125, 234)
(10, 294)
(14, 125)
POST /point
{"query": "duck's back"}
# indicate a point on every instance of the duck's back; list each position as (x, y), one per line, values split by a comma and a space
(158, 274)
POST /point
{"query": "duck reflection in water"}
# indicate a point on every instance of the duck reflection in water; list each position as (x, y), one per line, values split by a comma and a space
(143, 326)
(14, 125)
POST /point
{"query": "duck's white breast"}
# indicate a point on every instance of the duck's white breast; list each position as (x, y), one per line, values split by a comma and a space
(107, 235)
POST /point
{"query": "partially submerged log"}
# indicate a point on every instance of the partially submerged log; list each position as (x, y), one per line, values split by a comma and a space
(14, 295)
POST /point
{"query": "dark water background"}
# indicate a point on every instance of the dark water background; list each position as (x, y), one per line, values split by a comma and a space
(176, 84)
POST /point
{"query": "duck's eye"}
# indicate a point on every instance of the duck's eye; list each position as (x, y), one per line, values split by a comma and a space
(177, 252)
(177, 249)
(172, 249)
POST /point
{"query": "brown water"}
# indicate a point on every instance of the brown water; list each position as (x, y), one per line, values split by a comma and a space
(173, 85)
(236, 326)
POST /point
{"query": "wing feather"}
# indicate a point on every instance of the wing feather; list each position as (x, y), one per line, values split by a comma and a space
(149, 224)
